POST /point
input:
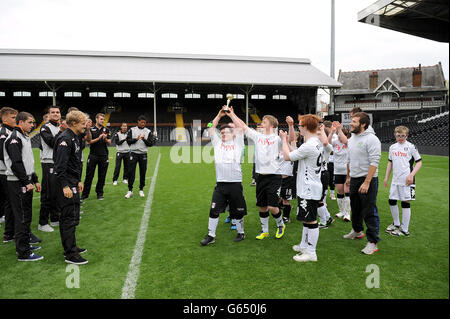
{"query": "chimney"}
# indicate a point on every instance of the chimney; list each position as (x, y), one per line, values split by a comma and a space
(417, 77)
(373, 80)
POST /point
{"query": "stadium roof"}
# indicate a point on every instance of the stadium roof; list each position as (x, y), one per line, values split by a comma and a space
(98, 66)
(423, 18)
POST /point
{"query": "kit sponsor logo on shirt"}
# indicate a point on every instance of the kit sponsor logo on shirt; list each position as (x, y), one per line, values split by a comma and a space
(265, 141)
(227, 147)
(400, 154)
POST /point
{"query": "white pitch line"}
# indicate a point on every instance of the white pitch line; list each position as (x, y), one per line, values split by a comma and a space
(133, 271)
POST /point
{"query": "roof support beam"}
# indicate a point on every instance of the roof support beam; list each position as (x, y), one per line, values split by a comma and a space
(432, 16)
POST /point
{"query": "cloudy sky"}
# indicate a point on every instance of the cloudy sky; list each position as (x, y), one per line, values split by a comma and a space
(282, 28)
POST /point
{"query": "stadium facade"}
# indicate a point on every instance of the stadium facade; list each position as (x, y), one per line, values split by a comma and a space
(170, 89)
(388, 93)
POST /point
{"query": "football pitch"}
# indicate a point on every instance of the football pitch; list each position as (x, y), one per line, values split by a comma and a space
(168, 262)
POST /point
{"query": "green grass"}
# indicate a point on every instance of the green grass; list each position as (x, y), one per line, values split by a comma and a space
(174, 265)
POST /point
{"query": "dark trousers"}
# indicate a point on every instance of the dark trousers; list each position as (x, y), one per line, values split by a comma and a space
(3, 198)
(21, 205)
(69, 218)
(93, 161)
(119, 157)
(9, 215)
(48, 198)
(364, 208)
(324, 178)
(254, 175)
(330, 169)
(134, 160)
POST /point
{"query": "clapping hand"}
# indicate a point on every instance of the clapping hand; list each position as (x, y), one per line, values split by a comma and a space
(289, 120)
(283, 135)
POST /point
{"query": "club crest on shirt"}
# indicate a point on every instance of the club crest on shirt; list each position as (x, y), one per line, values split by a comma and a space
(14, 141)
(63, 143)
(213, 205)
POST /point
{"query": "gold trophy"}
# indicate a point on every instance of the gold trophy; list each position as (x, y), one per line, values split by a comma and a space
(229, 98)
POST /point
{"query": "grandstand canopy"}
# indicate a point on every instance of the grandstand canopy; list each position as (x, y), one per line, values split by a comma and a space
(423, 18)
(127, 67)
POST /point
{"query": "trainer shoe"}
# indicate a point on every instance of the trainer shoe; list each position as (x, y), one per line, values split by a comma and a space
(100, 197)
(34, 248)
(125, 181)
(129, 194)
(323, 226)
(330, 221)
(141, 193)
(399, 232)
(79, 251)
(239, 237)
(34, 239)
(262, 235)
(115, 183)
(280, 232)
(7, 239)
(305, 257)
(340, 214)
(233, 227)
(253, 183)
(353, 235)
(298, 249)
(45, 228)
(227, 220)
(333, 197)
(286, 220)
(370, 248)
(76, 260)
(31, 257)
(391, 228)
(55, 224)
(208, 240)
(347, 217)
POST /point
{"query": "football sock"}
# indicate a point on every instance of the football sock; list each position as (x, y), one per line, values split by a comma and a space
(395, 214)
(279, 219)
(406, 216)
(341, 202)
(212, 225)
(347, 203)
(287, 211)
(325, 199)
(322, 212)
(264, 218)
(239, 225)
(313, 237)
(304, 242)
(327, 214)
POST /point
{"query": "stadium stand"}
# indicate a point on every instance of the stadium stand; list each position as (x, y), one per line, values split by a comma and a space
(430, 131)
